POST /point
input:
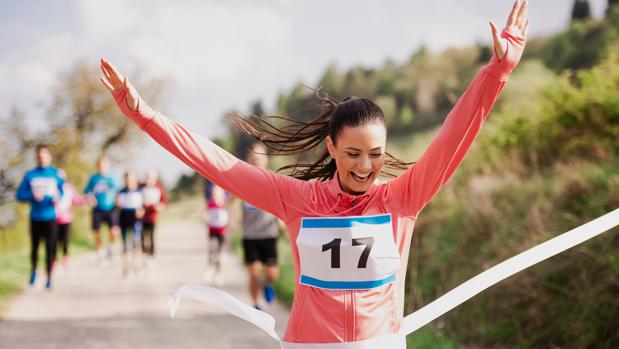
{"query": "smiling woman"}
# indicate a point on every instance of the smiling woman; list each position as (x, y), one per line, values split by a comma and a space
(352, 132)
(350, 235)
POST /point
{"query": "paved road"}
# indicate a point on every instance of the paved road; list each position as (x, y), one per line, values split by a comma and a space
(92, 307)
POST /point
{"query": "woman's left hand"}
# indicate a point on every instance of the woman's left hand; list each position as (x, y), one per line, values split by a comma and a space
(517, 24)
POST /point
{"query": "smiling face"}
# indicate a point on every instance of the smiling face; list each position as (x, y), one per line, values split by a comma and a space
(359, 153)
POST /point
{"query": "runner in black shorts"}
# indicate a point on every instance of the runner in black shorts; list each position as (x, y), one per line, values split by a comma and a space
(42, 188)
(131, 203)
(101, 195)
(260, 231)
(100, 217)
(260, 250)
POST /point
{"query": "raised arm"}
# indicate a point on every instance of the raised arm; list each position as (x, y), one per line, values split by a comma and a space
(412, 190)
(261, 188)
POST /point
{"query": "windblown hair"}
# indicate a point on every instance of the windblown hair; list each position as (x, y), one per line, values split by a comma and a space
(296, 137)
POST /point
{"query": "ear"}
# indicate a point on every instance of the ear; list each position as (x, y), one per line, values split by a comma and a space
(330, 147)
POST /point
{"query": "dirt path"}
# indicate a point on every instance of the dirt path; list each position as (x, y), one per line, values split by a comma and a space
(94, 307)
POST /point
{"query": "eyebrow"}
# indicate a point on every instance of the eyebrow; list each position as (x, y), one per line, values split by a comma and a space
(355, 149)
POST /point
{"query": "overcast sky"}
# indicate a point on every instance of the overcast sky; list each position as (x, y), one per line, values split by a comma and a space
(222, 55)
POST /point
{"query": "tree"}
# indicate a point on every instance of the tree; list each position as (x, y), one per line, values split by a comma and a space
(611, 4)
(15, 142)
(257, 108)
(332, 81)
(581, 10)
(83, 122)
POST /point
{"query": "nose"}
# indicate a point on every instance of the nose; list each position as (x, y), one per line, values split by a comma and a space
(365, 164)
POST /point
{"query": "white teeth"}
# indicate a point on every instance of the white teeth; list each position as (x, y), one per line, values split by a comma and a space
(361, 177)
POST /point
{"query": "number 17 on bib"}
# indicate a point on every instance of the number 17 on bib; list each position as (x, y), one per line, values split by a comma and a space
(347, 253)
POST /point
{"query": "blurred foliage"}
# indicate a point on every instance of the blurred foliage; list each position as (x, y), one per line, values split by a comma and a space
(581, 10)
(545, 162)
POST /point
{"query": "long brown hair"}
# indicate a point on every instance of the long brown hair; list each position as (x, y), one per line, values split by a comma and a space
(296, 137)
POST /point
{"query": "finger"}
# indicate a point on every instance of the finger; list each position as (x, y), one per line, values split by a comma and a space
(525, 31)
(512, 15)
(498, 46)
(113, 77)
(107, 84)
(495, 31)
(105, 72)
(112, 70)
(522, 14)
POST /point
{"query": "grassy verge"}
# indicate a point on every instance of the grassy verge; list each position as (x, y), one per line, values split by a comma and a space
(15, 253)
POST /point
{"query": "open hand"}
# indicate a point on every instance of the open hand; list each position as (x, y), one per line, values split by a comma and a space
(517, 24)
(114, 81)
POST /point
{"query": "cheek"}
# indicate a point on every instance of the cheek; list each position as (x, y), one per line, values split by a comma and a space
(344, 163)
(378, 164)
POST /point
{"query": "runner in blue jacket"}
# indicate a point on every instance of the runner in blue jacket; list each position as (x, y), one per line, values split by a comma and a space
(42, 187)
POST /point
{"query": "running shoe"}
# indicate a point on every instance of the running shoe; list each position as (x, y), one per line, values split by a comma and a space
(33, 278)
(57, 269)
(66, 263)
(104, 261)
(257, 307)
(49, 284)
(269, 293)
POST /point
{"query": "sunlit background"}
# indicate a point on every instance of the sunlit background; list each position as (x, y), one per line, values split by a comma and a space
(224, 55)
(544, 162)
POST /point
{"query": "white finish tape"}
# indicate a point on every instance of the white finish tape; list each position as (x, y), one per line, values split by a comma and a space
(422, 316)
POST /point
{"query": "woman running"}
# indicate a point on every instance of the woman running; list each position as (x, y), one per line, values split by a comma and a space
(155, 200)
(349, 233)
(217, 219)
(64, 216)
(131, 203)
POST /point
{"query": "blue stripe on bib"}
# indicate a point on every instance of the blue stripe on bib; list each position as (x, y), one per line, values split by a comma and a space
(346, 285)
(345, 222)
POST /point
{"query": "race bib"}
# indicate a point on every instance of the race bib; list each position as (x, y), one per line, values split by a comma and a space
(101, 187)
(152, 196)
(347, 253)
(44, 186)
(130, 200)
(217, 217)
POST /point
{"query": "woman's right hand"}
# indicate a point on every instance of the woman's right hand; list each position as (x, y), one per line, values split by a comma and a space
(115, 82)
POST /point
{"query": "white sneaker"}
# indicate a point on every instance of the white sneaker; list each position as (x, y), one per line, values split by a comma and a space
(103, 259)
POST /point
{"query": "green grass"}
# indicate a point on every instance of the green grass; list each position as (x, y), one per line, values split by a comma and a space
(15, 251)
(14, 269)
(425, 338)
